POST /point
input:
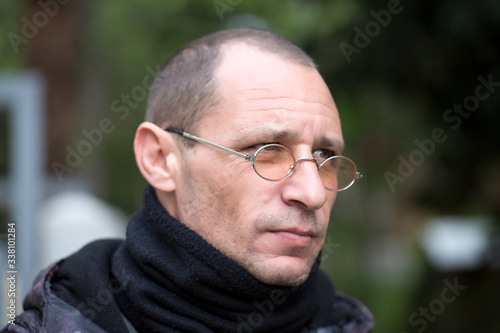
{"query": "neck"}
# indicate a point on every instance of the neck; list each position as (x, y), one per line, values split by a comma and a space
(168, 200)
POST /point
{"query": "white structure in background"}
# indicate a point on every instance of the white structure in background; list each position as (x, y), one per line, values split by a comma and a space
(454, 243)
(65, 222)
(71, 219)
(22, 97)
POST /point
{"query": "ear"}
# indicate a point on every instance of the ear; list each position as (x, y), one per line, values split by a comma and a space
(157, 156)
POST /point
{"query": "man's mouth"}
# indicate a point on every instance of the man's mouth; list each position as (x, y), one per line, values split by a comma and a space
(295, 237)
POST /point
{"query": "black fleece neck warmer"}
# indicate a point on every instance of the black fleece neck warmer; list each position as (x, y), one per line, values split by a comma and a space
(183, 284)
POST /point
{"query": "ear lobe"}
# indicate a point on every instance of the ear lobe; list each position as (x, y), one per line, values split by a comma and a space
(156, 155)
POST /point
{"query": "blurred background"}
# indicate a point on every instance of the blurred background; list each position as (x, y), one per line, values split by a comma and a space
(417, 84)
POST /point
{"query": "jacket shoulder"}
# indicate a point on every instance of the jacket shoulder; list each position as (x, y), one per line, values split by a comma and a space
(45, 312)
(28, 322)
(358, 318)
(339, 313)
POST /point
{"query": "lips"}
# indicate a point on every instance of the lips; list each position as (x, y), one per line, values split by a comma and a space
(295, 237)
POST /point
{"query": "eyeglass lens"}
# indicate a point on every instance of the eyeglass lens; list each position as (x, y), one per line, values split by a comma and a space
(275, 162)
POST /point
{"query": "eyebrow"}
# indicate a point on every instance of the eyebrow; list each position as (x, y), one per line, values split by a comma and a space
(277, 134)
(268, 134)
(333, 142)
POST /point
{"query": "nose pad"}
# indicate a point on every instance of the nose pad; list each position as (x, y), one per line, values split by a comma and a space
(297, 163)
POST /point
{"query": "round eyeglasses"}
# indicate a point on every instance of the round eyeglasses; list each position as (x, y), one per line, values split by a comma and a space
(274, 162)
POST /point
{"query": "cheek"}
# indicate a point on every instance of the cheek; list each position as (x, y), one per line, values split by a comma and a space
(222, 217)
(210, 198)
(330, 201)
(324, 213)
(235, 188)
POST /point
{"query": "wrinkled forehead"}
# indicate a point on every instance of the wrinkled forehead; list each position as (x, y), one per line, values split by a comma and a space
(282, 105)
(260, 90)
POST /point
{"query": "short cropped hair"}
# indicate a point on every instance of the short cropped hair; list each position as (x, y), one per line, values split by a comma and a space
(184, 89)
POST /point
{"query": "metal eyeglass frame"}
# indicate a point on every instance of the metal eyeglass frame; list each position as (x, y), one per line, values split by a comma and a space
(251, 158)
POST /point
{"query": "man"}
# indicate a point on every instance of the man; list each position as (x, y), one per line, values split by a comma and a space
(242, 148)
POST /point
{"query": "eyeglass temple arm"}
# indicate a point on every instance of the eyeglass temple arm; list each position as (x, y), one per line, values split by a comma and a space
(247, 157)
(357, 174)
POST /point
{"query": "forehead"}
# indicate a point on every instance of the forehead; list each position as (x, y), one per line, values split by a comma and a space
(260, 91)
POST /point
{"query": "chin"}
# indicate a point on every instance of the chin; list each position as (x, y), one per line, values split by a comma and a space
(287, 272)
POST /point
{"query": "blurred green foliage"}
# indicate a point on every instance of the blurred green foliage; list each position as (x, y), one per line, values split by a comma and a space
(10, 13)
(390, 92)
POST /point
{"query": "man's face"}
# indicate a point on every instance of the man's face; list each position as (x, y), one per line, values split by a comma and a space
(274, 230)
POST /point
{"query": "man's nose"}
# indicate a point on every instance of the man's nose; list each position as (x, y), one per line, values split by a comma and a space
(304, 186)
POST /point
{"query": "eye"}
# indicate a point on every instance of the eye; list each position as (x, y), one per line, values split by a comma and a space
(322, 154)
